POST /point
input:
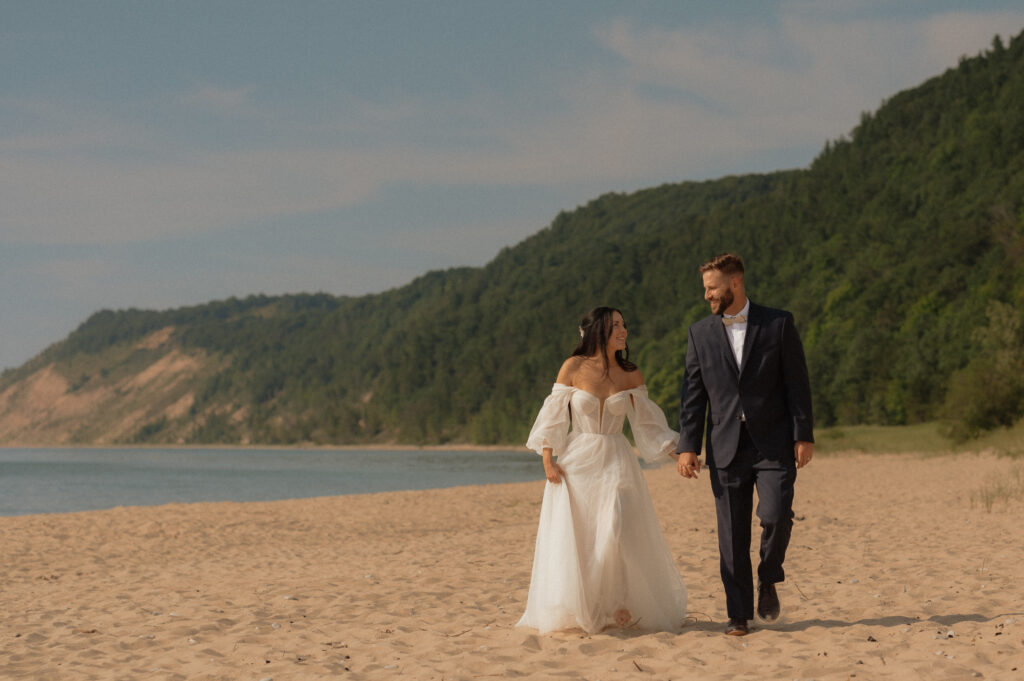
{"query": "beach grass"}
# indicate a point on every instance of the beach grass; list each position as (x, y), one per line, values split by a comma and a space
(917, 438)
(929, 439)
(920, 438)
(1000, 487)
(1004, 441)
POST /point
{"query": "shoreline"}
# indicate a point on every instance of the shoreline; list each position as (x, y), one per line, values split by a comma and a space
(46, 481)
(921, 438)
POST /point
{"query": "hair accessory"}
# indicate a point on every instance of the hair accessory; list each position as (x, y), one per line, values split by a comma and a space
(581, 332)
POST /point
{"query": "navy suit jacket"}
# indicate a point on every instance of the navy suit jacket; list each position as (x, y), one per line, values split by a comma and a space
(771, 389)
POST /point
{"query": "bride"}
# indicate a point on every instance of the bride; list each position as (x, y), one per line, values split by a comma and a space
(601, 559)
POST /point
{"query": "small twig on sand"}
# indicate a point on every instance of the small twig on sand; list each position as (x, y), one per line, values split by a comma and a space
(802, 594)
(469, 630)
(693, 619)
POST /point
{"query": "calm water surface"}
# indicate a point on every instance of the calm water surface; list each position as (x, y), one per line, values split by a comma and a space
(39, 480)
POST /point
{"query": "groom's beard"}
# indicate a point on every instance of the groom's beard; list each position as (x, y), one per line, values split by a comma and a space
(722, 304)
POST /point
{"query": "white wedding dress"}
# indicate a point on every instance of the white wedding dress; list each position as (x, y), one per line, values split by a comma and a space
(599, 547)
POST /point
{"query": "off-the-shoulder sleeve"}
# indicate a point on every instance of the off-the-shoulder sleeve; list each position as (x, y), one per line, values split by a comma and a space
(551, 429)
(654, 439)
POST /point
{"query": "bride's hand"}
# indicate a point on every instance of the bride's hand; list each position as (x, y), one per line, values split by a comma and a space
(552, 471)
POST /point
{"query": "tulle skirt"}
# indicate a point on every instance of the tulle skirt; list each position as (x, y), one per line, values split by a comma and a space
(600, 552)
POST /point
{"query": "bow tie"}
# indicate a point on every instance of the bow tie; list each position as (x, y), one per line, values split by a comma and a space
(738, 319)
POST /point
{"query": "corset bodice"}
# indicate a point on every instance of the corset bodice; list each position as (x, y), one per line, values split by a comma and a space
(592, 415)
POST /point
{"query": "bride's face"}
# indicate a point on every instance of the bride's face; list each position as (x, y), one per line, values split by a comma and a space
(617, 334)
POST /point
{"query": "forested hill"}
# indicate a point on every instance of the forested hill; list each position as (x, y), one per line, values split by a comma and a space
(894, 249)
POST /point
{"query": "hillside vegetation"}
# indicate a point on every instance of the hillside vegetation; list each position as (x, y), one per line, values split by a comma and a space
(900, 250)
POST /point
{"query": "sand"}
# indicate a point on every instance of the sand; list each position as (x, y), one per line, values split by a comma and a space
(892, 574)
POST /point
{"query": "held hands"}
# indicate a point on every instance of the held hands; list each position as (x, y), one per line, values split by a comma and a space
(804, 452)
(688, 465)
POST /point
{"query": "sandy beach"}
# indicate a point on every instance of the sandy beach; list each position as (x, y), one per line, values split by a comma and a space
(893, 573)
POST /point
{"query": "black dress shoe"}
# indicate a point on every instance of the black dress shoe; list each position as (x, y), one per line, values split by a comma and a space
(767, 602)
(737, 627)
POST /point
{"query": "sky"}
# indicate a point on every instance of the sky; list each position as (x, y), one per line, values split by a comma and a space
(155, 154)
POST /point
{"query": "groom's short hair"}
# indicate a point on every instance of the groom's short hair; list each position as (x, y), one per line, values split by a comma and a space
(728, 264)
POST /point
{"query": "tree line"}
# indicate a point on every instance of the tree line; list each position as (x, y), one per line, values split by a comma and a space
(899, 250)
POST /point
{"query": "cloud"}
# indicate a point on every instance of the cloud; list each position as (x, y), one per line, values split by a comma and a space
(683, 103)
(776, 85)
(966, 34)
(89, 185)
(79, 199)
(219, 99)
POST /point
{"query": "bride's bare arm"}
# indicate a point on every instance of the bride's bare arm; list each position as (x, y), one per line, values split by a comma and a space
(552, 471)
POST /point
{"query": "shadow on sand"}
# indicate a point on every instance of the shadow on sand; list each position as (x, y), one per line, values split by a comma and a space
(889, 621)
(706, 625)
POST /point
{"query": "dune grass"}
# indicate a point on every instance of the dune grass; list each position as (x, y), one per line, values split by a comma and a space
(1000, 488)
(1004, 441)
(922, 438)
(929, 439)
(919, 438)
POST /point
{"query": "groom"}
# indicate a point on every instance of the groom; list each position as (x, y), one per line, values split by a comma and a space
(745, 371)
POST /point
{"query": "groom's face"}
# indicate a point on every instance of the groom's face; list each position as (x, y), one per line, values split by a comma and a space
(718, 291)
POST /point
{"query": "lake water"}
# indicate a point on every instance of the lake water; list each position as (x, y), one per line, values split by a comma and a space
(39, 480)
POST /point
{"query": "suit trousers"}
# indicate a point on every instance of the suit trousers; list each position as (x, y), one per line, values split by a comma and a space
(733, 487)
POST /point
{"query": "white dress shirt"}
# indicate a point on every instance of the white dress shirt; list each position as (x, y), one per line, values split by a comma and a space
(738, 332)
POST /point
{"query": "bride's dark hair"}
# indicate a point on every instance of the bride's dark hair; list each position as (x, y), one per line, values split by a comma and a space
(595, 328)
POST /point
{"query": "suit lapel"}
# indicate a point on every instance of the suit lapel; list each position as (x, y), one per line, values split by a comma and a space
(753, 328)
(726, 344)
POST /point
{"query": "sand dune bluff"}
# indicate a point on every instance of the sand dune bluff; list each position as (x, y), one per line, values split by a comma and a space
(104, 403)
